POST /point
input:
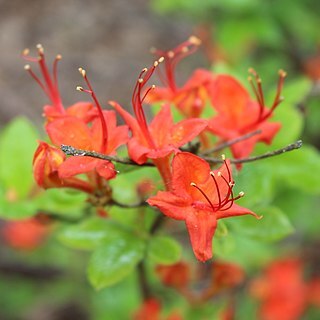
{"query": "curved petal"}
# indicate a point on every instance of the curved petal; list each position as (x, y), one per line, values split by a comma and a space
(229, 98)
(161, 125)
(171, 205)
(234, 211)
(186, 130)
(201, 227)
(77, 165)
(137, 151)
(106, 169)
(187, 168)
(69, 131)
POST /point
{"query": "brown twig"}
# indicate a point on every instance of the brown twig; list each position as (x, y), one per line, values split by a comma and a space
(290, 147)
(230, 143)
(71, 151)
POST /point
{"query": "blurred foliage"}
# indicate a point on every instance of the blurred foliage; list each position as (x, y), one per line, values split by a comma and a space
(237, 34)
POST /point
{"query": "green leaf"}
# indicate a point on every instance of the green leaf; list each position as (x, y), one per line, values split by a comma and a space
(274, 225)
(62, 201)
(298, 169)
(114, 260)
(18, 142)
(164, 250)
(91, 233)
(16, 210)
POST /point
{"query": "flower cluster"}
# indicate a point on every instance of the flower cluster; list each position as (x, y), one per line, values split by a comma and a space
(193, 191)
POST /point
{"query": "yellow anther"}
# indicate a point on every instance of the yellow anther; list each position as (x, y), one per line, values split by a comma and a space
(58, 56)
(79, 88)
(241, 193)
(144, 70)
(155, 64)
(140, 80)
(282, 73)
(223, 156)
(195, 40)
(153, 86)
(25, 52)
(219, 174)
(40, 48)
(170, 54)
(192, 184)
(27, 67)
(82, 72)
(212, 173)
(160, 59)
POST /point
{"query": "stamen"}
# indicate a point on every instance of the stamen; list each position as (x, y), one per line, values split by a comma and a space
(149, 89)
(217, 187)
(50, 84)
(25, 52)
(192, 184)
(195, 40)
(40, 49)
(104, 143)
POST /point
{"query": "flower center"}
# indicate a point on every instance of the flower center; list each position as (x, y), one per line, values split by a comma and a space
(224, 202)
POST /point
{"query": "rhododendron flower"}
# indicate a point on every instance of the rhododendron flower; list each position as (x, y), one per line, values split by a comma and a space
(75, 132)
(24, 234)
(81, 125)
(176, 275)
(282, 291)
(162, 137)
(200, 197)
(151, 310)
(191, 97)
(46, 163)
(238, 114)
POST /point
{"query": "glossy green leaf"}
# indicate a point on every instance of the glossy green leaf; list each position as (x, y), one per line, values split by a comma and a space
(18, 142)
(164, 250)
(62, 201)
(91, 233)
(114, 260)
(16, 210)
(299, 169)
(274, 225)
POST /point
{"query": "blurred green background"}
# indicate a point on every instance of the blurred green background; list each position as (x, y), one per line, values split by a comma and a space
(112, 39)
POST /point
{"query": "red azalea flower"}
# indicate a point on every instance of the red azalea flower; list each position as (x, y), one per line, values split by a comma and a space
(200, 197)
(151, 310)
(24, 234)
(81, 125)
(75, 132)
(46, 163)
(238, 114)
(162, 137)
(191, 97)
(176, 275)
(282, 291)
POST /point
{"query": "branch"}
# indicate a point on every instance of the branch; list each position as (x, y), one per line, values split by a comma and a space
(71, 151)
(230, 142)
(290, 147)
(122, 205)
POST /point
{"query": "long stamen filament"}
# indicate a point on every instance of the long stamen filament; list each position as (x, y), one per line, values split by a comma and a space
(104, 143)
(210, 203)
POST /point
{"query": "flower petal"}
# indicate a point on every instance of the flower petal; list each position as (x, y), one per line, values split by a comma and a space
(171, 205)
(201, 227)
